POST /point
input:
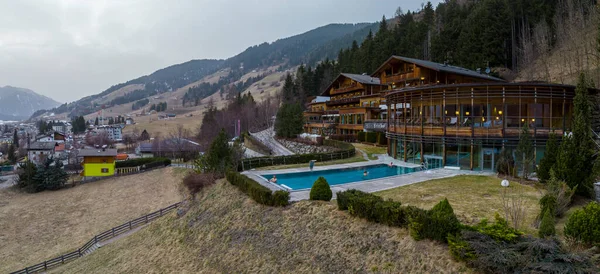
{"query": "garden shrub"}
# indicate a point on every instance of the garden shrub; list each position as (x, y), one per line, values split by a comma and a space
(499, 230)
(435, 224)
(281, 198)
(381, 139)
(320, 190)
(547, 225)
(361, 136)
(256, 191)
(506, 163)
(371, 207)
(371, 137)
(584, 225)
(562, 193)
(195, 182)
(526, 255)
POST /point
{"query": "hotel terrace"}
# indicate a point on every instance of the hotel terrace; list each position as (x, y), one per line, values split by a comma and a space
(442, 115)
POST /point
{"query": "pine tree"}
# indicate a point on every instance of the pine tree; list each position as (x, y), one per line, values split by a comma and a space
(525, 151)
(16, 139)
(12, 157)
(290, 121)
(218, 158)
(96, 122)
(546, 164)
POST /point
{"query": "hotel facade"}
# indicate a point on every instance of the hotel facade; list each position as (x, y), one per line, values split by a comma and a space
(446, 116)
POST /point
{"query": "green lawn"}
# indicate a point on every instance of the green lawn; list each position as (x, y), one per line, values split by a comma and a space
(356, 158)
(472, 197)
(370, 150)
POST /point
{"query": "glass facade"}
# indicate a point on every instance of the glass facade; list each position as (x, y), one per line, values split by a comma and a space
(467, 125)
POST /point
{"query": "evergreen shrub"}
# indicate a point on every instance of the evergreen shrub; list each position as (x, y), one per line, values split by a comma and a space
(362, 136)
(547, 225)
(256, 191)
(584, 225)
(320, 190)
(371, 137)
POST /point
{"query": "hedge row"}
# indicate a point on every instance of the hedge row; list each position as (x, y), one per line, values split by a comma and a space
(344, 137)
(258, 192)
(434, 224)
(345, 151)
(148, 162)
(372, 137)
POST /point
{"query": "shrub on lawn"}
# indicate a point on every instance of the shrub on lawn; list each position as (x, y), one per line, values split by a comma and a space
(435, 224)
(320, 190)
(584, 225)
(526, 255)
(256, 191)
(547, 225)
(499, 230)
(361, 136)
(371, 137)
(281, 198)
(371, 207)
(195, 182)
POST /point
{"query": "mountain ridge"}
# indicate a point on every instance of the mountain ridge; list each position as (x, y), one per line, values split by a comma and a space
(17, 103)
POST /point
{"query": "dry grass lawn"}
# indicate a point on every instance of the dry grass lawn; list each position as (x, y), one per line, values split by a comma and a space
(472, 197)
(40, 226)
(370, 150)
(226, 232)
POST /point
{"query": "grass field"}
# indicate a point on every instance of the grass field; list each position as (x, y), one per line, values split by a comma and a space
(40, 226)
(472, 197)
(370, 150)
(226, 232)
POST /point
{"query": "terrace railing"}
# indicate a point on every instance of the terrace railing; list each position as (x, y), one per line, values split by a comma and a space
(92, 244)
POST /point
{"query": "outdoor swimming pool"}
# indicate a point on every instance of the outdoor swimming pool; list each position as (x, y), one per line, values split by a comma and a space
(304, 180)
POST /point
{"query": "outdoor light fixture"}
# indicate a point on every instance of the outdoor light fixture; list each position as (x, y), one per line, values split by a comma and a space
(497, 118)
(446, 111)
(522, 120)
(504, 183)
(483, 119)
(467, 113)
(457, 112)
(500, 112)
(422, 78)
(533, 120)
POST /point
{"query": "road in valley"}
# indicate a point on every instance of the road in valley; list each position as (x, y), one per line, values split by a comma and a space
(267, 137)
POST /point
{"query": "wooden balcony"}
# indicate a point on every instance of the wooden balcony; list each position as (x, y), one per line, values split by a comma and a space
(466, 132)
(346, 89)
(352, 100)
(400, 78)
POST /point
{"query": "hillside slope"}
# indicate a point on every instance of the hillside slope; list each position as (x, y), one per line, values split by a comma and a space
(226, 232)
(309, 47)
(20, 103)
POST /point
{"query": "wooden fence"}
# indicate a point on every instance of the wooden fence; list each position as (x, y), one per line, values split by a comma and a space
(127, 170)
(251, 163)
(90, 245)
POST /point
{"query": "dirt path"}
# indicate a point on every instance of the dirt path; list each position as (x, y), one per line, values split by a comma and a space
(267, 137)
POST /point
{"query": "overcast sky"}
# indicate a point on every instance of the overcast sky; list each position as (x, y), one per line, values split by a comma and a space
(67, 49)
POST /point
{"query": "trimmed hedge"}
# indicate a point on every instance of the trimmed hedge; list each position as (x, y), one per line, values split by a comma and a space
(148, 162)
(320, 190)
(434, 224)
(371, 137)
(381, 140)
(371, 207)
(346, 151)
(362, 136)
(258, 192)
(344, 137)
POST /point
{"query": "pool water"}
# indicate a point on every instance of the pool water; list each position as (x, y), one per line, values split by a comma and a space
(304, 180)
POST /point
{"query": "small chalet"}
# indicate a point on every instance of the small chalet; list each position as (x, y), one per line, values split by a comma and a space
(38, 152)
(98, 162)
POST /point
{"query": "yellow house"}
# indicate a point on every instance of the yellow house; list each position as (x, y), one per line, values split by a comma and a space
(98, 162)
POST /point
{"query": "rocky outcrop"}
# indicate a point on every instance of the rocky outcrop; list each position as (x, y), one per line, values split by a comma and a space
(302, 148)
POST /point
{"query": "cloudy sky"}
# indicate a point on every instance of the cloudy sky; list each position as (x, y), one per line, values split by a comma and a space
(67, 49)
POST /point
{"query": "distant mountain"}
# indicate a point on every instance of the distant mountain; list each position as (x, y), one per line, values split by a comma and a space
(309, 48)
(20, 103)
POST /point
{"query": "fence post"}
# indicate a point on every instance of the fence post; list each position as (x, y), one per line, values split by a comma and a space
(96, 239)
(79, 252)
(129, 225)
(45, 266)
(62, 258)
(113, 232)
(146, 217)
(161, 212)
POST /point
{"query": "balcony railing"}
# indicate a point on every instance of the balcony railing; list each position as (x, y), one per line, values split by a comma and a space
(345, 89)
(343, 101)
(400, 77)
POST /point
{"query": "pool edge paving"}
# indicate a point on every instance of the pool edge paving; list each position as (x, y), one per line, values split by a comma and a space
(373, 185)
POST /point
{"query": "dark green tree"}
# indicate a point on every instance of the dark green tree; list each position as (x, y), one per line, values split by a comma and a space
(96, 122)
(525, 151)
(575, 163)
(16, 139)
(546, 164)
(219, 155)
(290, 121)
(26, 173)
(11, 154)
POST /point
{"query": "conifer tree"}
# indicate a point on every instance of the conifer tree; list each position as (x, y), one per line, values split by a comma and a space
(12, 157)
(16, 139)
(525, 151)
(549, 160)
(218, 158)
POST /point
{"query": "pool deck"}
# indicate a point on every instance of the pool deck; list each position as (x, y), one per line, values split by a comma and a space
(366, 186)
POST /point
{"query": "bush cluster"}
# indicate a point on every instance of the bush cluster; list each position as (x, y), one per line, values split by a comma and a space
(346, 151)
(195, 182)
(362, 136)
(256, 191)
(525, 255)
(320, 190)
(371, 207)
(435, 224)
(147, 162)
(371, 137)
(584, 225)
(344, 137)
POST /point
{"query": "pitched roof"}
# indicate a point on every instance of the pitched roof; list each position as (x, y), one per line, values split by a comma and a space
(97, 152)
(41, 146)
(363, 79)
(440, 67)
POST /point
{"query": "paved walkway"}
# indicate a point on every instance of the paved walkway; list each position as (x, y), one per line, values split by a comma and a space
(366, 186)
(267, 137)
